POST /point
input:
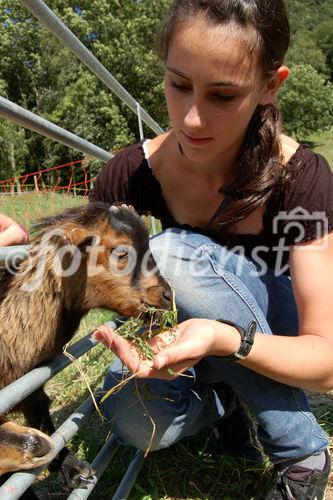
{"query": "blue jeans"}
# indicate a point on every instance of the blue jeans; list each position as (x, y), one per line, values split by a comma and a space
(213, 282)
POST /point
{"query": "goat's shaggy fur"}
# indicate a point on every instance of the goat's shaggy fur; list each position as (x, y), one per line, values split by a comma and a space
(36, 321)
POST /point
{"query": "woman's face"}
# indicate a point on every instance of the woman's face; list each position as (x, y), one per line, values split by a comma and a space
(213, 85)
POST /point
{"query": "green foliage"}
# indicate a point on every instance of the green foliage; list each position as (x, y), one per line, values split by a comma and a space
(44, 77)
(40, 74)
(324, 38)
(305, 50)
(306, 101)
(13, 147)
(311, 34)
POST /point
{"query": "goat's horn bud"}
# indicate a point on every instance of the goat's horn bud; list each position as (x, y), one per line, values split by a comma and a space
(127, 207)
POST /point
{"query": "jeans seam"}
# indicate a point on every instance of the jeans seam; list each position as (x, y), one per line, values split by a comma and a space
(309, 416)
(235, 287)
(247, 261)
(218, 248)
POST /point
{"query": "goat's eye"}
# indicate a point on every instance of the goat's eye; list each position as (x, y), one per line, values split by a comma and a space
(119, 253)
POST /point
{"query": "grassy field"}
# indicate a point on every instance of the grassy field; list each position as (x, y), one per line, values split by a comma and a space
(188, 470)
(323, 144)
(29, 207)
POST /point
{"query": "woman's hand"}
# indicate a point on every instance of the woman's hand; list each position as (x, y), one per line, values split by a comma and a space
(175, 350)
(12, 233)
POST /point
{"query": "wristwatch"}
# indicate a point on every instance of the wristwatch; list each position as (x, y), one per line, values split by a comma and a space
(247, 338)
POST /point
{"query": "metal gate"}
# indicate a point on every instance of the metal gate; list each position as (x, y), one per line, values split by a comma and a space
(19, 482)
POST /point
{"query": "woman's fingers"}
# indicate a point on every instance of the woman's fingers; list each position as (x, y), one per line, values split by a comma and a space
(105, 335)
(111, 340)
(173, 354)
(123, 349)
(184, 352)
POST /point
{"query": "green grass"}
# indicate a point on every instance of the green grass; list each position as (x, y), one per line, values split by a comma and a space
(323, 144)
(28, 207)
(187, 470)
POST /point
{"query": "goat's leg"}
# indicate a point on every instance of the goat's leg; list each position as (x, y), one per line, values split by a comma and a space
(36, 409)
(73, 470)
(22, 447)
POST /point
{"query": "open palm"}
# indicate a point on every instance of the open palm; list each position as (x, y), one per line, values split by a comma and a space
(175, 350)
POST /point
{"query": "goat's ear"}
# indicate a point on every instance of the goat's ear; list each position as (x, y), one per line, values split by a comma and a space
(88, 241)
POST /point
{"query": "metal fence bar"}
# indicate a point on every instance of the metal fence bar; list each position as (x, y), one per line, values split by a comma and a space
(130, 476)
(100, 463)
(138, 108)
(48, 19)
(11, 255)
(29, 120)
(19, 482)
(15, 392)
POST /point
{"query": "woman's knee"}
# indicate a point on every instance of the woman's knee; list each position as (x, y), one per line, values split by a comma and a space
(180, 259)
(215, 282)
(126, 411)
(178, 253)
(154, 414)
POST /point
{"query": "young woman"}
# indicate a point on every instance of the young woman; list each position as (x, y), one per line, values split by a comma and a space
(244, 208)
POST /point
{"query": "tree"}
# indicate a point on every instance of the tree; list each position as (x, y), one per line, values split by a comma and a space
(306, 102)
(13, 148)
(305, 50)
(324, 39)
(311, 34)
(44, 77)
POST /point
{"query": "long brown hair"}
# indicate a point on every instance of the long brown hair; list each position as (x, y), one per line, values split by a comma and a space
(259, 168)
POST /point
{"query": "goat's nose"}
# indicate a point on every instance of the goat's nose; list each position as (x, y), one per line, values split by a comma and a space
(167, 295)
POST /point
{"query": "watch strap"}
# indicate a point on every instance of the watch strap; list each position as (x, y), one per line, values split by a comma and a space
(247, 338)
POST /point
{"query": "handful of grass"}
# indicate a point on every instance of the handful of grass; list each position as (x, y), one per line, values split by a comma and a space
(136, 331)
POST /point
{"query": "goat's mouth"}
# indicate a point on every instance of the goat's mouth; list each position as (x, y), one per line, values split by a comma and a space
(151, 314)
(154, 317)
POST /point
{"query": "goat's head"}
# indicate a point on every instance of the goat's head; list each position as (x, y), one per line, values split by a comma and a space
(112, 266)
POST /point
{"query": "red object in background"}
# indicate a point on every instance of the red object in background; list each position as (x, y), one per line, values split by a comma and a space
(35, 180)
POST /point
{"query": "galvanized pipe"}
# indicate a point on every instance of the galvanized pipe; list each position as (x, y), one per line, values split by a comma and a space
(48, 19)
(19, 482)
(15, 392)
(29, 120)
(12, 255)
(99, 465)
(130, 476)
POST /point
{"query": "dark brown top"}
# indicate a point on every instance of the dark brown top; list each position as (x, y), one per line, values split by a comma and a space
(301, 212)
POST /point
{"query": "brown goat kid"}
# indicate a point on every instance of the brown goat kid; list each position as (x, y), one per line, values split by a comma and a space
(84, 258)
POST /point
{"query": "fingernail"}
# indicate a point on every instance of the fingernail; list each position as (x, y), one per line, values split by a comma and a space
(162, 361)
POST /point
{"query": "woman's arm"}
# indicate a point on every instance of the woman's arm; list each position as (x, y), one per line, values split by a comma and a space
(11, 233)
(305, 361)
